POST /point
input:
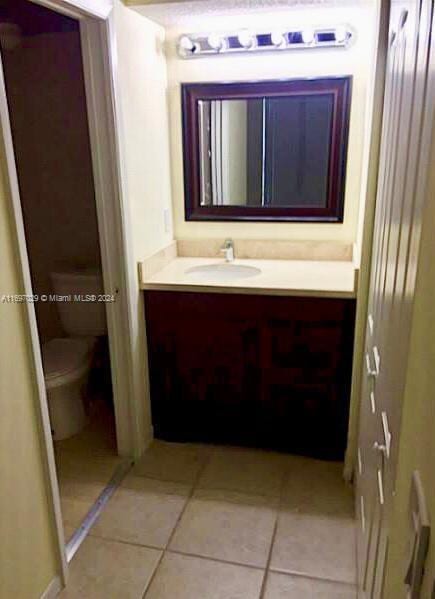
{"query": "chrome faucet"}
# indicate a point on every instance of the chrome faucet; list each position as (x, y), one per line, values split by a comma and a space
(228, 250)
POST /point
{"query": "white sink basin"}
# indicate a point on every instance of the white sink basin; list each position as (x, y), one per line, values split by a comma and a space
(222, 272)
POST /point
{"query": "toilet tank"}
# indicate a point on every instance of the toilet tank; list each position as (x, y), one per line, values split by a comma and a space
(80, 318)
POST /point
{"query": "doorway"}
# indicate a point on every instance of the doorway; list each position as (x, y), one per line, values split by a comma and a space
(54, 162)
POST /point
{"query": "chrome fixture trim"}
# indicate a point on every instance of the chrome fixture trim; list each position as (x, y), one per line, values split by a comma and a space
(228, 250)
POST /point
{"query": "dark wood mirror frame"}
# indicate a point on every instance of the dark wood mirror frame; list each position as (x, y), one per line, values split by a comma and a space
(192, 93)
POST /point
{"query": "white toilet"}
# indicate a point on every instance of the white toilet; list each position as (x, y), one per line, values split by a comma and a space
(67, 360)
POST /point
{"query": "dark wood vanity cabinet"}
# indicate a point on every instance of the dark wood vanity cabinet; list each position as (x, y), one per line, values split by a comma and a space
(256, 370)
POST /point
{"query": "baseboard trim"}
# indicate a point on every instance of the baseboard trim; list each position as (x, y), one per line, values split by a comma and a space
(53, 589)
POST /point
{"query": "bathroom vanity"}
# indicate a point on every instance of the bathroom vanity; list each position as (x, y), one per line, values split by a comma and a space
(263, 360)
(257, 350)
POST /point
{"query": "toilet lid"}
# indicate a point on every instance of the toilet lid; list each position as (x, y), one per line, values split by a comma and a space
(61, 356)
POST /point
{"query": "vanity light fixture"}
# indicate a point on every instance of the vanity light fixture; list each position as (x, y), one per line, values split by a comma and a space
(216, 41)
(246, 39)
(187, 45)
(278, 38)
(340, 34)
(308, 36)
(286, 38)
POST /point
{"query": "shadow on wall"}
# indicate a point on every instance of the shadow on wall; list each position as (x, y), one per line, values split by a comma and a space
(47, 102)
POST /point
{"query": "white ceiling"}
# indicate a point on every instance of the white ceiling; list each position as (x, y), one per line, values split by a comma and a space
(178, 12)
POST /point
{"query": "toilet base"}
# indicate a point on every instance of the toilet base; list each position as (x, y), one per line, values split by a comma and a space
(66, 408)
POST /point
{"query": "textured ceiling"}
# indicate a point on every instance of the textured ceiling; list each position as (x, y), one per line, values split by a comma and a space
(177, 12)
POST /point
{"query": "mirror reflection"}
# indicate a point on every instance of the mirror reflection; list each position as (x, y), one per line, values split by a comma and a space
(265, 151)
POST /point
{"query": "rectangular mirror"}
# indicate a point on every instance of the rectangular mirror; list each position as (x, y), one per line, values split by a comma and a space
(266, 150)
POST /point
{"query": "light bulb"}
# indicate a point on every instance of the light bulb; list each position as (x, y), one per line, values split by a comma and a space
(340, 34)
(308, 36)
(278, 38)
(187, 44)
(246, 39)
(215, 41)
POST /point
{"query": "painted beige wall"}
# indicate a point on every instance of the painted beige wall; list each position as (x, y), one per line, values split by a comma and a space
(28, 551)
(355, 61)
(144, 146)
(143, 84)
(417, 441)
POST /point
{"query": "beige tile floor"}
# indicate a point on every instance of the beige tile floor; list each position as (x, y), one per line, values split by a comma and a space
(202, 522)
(85, 463)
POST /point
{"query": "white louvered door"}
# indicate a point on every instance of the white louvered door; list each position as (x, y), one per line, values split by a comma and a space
(406, 133)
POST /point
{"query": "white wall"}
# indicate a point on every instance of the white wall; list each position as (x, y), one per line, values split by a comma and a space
(354, 61)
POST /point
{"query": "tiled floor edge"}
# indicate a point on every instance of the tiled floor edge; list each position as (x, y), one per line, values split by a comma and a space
(286, 474)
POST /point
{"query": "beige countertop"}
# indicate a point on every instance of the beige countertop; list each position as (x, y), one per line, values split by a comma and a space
(277, 277)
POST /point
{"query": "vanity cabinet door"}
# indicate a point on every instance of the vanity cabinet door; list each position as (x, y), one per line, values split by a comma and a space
(256, 370)
(204, 356)
(306, 371)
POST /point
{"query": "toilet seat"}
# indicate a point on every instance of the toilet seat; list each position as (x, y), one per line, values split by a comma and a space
(64, 360)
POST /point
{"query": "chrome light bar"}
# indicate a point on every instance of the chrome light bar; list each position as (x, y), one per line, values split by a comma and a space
(205, 44)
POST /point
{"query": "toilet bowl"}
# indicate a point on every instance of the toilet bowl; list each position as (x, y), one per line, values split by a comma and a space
(67, 360)
(66, 363)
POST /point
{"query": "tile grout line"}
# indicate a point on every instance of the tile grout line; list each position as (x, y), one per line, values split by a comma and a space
(122, 542)
(272, 542)
(214, 559)
(188, 498)
(196, 486)
(291, 572)
(208, 489)
(269, 558)
(178, 552)
(306, 576)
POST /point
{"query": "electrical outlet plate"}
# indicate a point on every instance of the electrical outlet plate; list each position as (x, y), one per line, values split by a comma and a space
(167, 220)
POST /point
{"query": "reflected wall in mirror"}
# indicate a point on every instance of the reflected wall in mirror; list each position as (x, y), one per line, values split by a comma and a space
(266, 150)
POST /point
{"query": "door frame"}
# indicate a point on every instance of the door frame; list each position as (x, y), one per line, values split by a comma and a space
(119, 272)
